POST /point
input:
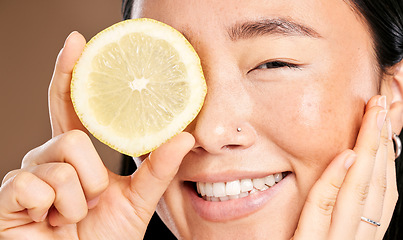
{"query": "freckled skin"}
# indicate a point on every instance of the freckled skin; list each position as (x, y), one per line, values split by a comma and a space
(294, 119)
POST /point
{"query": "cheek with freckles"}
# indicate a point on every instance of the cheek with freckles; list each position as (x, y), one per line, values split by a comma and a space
(311, 123)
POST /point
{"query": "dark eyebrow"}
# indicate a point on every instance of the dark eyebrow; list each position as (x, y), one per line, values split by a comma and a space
(263, 27)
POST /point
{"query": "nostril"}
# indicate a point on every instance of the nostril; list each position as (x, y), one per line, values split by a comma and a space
(228, 147)
(231, 147)
(198, 149)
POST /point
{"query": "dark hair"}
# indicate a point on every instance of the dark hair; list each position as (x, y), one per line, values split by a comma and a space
(127, 9)
(385, 20)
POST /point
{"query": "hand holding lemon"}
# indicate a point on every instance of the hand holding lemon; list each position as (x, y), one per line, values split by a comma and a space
(137, 84)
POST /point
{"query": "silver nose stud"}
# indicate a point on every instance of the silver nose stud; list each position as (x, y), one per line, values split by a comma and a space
(238, 129)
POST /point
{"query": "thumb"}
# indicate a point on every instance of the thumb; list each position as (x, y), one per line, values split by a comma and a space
(62, 115)
(152, 178)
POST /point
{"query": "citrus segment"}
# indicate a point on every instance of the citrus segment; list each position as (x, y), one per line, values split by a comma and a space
(137, 84)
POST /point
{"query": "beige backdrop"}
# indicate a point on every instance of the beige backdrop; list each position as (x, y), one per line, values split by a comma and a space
(31, 34)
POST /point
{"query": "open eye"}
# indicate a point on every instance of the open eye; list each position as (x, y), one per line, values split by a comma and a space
(277, 64)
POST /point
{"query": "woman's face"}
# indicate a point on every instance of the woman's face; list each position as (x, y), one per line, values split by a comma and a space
(294, 76)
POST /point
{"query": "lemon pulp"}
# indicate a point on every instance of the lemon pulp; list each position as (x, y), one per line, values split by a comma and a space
(138, 87)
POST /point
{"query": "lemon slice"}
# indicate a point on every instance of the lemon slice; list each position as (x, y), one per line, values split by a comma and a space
(137, 84)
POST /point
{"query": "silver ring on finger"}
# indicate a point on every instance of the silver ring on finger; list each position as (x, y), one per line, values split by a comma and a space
(398, 145)
(372, 222)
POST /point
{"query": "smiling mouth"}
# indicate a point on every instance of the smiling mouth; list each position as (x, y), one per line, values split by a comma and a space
(225, 191)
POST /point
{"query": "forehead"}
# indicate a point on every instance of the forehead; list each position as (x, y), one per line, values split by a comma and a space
(344, 39)
(215, 17)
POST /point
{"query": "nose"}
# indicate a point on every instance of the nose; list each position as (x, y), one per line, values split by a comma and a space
(224, 122)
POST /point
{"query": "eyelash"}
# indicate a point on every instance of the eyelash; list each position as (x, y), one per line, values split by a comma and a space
(277, 64)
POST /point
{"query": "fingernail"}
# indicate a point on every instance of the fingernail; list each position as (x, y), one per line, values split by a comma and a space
(350, 160)
(93, 203)
(382, 102)
(73, 32)
(44, 216)
(381, 118)
(389, 126)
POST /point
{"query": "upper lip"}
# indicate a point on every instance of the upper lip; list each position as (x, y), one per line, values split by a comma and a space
(229, 176)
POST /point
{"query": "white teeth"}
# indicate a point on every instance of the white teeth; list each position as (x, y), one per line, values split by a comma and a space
(269, 180)
(222, 199)
(219, 189)
(234, 196)
(233, 188)
(198, 187)
(215, 199)
(246, 185)
(208, 187)
(258, 183)
(253, 191)
(201, 189)
(224, 191)
(243, 194)
(278, 177)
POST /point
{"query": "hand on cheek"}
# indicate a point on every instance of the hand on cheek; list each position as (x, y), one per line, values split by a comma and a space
(357, 183)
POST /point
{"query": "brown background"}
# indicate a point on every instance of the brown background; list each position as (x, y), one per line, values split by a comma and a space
(31, 34)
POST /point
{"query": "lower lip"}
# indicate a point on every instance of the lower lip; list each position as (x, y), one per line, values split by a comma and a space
(235, 208)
